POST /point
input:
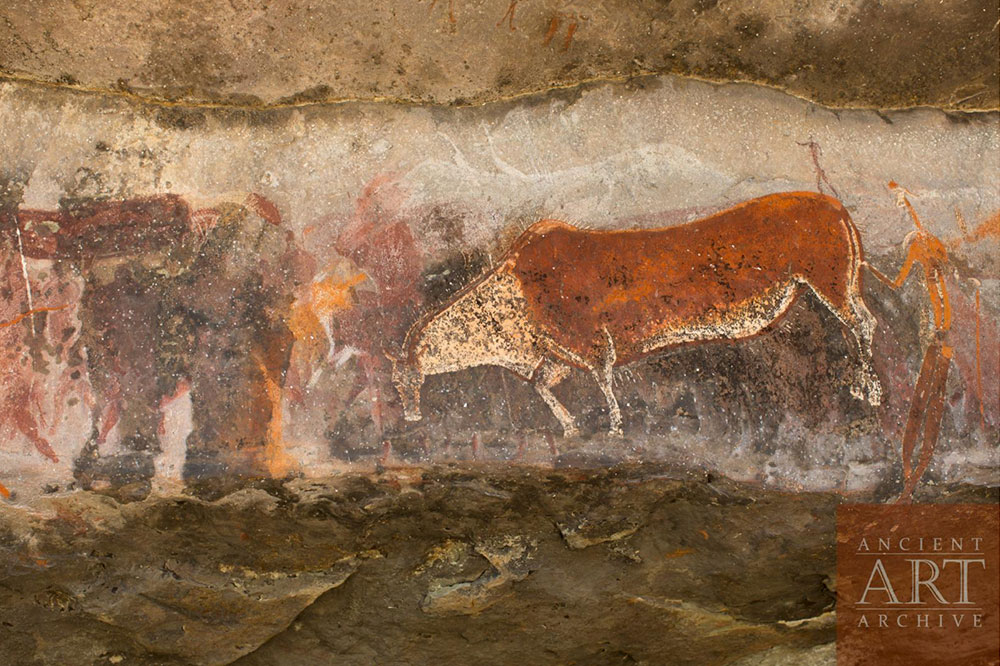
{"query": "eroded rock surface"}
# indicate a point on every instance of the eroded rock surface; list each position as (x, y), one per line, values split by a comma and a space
(446, 565)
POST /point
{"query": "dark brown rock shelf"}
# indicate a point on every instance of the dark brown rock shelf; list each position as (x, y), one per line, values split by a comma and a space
(644, 565)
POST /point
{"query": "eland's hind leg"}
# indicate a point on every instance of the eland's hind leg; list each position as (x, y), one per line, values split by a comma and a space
(848, 307)
(838, 286)
(864, 323)
(864, 333)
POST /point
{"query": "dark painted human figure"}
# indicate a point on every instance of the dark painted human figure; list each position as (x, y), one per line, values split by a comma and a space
(175, 300)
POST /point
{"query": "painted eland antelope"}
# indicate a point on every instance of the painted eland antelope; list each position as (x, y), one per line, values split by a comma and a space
(564, 297)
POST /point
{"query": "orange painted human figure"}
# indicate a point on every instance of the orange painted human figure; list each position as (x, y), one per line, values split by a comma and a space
(927, 405)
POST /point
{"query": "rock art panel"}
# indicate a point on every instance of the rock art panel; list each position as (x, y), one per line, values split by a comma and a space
(593, 278)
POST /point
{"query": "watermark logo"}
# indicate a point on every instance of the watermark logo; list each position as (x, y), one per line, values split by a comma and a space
(918, 584)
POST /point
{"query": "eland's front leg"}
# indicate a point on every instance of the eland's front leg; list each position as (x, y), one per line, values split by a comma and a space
(548, 375)
(604, 375)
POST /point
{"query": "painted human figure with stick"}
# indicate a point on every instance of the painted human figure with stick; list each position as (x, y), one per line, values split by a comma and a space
(927, 405)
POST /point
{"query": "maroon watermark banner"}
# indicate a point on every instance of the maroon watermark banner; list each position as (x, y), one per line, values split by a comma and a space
(918, 584)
